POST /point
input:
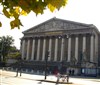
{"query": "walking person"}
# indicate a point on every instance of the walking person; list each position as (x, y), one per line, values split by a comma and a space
(19, 66)
(73, 72)
(70, 72)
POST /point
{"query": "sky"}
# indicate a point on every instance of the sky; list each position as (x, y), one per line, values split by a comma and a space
(84, 11)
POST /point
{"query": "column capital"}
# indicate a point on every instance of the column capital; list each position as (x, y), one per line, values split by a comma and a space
(93, 34)
(76, 35)
(84, 34)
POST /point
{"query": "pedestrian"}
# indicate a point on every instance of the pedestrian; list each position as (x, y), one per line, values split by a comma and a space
(19, 66)
(55, 71)
(58, 77)
(70, 72)
(73, 72)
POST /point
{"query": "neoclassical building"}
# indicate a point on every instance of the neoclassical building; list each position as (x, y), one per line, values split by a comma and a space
(71, 45)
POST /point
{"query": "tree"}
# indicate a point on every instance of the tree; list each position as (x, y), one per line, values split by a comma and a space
(14, 53)
(6, 43)
(16, 8)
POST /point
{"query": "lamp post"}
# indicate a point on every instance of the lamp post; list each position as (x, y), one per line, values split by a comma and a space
(46, 59)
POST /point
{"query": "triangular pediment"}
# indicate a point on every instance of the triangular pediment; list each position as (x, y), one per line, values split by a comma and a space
(56, 24)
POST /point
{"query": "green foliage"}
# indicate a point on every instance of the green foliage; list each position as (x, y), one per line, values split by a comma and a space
(16, 8)
(5, 45)
(0, 24)
(14, 55)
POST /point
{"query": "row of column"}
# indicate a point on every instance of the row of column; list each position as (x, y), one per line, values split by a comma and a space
(56, 48)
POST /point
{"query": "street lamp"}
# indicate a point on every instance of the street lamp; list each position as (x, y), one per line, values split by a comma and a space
(46, 59)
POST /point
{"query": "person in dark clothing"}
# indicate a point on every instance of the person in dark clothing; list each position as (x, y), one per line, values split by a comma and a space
(19, 66)
(73, 72)
(70, 72)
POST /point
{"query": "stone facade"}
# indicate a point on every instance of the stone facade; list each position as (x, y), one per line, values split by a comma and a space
(71, 43)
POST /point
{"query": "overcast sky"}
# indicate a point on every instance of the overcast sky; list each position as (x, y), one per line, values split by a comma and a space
(84, 11)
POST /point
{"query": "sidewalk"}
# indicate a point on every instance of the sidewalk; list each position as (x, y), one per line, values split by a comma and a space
(51, 79)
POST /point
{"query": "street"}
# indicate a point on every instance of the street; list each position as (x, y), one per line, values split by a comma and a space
(8, 78)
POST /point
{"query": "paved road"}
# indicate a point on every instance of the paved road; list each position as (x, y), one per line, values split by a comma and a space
(8, 78)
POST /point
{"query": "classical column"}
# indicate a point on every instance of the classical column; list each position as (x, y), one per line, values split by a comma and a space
(96, 48)
(38, 49)
(56, 49)
(76, 48)
(23, 49)
(33, 49)
(84, 48)
(69, 49)
(84, 44)
(28, 49)
(50, 45)
(92, 48)
(62, 49)
(44, 49)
